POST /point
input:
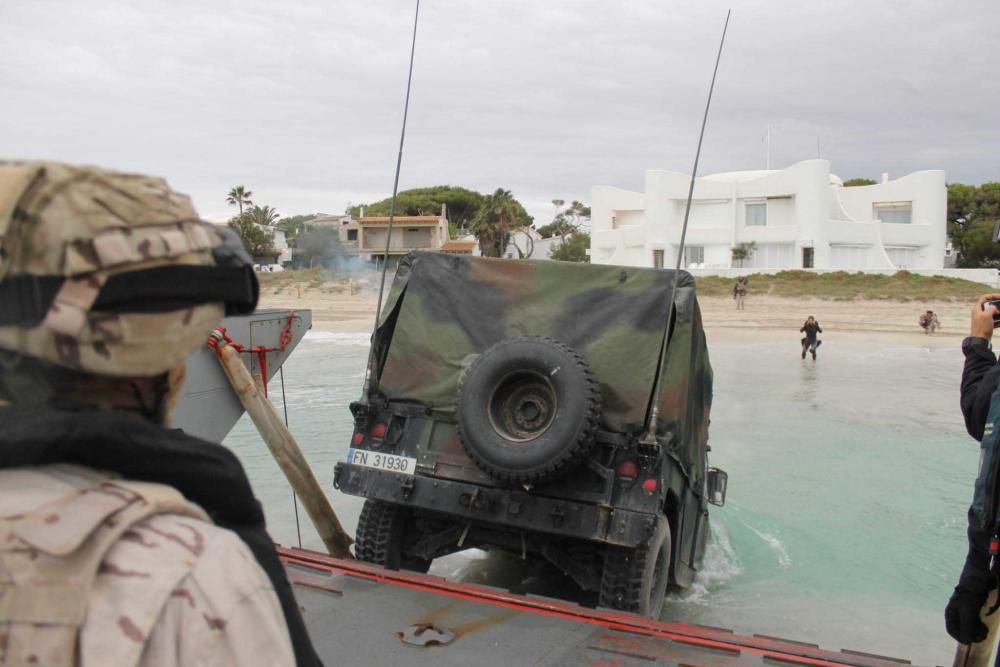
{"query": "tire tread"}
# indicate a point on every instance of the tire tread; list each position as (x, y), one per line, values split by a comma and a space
(569, 455)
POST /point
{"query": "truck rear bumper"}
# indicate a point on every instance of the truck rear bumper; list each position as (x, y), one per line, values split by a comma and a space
(511, 508)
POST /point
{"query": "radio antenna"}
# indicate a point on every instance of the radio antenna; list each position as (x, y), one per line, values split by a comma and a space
(649, 437)
(392, 208)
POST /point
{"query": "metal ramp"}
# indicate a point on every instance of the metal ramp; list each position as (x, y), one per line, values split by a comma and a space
(361, 614)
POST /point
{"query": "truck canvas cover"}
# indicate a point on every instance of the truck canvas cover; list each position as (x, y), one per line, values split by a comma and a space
(444, 309)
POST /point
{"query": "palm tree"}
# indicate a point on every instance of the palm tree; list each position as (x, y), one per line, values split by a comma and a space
(238, 196)
(494, 221)
(265, 216)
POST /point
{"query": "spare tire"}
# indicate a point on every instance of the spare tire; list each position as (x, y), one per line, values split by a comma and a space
(528, 409)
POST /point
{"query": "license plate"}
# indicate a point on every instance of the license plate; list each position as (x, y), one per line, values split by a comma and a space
(389, 462)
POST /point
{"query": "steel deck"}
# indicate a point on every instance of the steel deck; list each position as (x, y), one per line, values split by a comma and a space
(361, 614)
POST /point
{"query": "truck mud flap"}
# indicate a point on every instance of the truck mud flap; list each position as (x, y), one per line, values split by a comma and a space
(511, 508)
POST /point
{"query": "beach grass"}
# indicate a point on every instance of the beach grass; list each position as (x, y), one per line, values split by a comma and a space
(901, 286)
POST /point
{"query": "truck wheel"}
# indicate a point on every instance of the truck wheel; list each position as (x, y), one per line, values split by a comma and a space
(635, 579)
(382, 528)
(527, 409)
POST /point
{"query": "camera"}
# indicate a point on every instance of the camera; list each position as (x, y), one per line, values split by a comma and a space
(996, 317)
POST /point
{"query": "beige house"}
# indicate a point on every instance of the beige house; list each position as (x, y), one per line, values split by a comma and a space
(366, 235)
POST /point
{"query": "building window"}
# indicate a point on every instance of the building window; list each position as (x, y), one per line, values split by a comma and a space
(895, 212)
(902, 258)
(694, 255)
(657, 259)
(772, 256)
(850, 257)
(352, 235)
(756, 214)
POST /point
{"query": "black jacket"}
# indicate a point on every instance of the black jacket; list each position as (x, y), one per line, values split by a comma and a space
(811, 329)
(979, 381)
(206, 473)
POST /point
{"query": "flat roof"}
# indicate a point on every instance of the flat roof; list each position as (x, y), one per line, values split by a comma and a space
(408, 219)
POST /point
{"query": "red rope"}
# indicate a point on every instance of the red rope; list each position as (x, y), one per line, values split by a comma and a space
(219, 335)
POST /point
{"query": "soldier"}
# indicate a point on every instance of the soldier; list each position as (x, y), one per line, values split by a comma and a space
(929, 322)
(122, 542)
(810, 342)
(740, 292)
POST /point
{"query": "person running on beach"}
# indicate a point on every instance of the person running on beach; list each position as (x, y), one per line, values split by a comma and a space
(810, 342)
(929, 322)
(740, 292)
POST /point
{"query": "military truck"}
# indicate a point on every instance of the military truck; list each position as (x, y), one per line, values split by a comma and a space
(508, 407)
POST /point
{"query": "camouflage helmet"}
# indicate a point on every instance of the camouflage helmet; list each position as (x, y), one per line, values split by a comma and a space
(111, 273)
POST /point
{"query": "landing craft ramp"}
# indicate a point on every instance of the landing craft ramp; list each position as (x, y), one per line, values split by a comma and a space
(361, 614)
(208, 408)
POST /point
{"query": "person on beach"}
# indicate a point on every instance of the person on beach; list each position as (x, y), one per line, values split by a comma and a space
(740, 291)
(122, 542)
(810, 342)
(929, 322)
(980, 402)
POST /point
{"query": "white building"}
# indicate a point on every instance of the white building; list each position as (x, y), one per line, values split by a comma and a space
(799, 217)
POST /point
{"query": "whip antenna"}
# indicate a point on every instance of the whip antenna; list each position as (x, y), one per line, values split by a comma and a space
(392, 206)
(649, 438)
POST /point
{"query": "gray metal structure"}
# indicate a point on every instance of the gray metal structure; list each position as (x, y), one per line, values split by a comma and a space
(208, 408)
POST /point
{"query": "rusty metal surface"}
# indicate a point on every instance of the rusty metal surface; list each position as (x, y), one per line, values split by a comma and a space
(426, 634)
(357, 614)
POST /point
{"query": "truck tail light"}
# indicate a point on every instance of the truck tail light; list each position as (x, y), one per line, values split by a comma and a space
(627, 469)
(649, 485)
(358, 438)
(378, 430)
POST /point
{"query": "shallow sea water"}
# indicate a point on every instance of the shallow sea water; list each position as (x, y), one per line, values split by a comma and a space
(849, 481)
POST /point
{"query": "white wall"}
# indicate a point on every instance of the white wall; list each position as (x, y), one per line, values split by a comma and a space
(806, 208)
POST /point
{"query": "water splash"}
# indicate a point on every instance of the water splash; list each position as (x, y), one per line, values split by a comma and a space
(777, 546)
(721, 564)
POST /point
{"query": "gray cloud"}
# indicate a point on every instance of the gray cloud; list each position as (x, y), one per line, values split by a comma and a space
(302, 100)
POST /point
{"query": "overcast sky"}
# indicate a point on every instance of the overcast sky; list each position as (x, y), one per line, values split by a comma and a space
(301, 100)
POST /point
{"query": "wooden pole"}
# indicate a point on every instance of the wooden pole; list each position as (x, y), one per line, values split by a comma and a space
(286, 452)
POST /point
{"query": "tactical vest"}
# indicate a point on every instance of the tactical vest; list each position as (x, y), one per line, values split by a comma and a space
(984, 500)
(50, 557)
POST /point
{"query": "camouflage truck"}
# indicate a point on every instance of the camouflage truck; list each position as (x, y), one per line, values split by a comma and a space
(507, 408)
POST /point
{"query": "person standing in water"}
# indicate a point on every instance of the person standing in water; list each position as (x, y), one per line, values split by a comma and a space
(810, 342)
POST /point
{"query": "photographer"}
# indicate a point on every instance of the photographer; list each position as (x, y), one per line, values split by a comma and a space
(981, 408)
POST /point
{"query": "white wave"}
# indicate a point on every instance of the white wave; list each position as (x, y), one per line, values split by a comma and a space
(773, 541)
(343, 338)
(719, 565)
(455, 566)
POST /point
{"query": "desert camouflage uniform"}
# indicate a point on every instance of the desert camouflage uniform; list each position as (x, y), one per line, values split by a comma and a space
(94, 570)
(100, 571)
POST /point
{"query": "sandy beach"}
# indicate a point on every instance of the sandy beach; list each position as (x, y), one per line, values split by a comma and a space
(349, 307)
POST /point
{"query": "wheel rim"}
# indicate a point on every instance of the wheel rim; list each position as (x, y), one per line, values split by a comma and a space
(522, 406)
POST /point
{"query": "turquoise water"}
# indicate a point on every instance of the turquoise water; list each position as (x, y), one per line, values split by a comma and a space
(849, 481)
